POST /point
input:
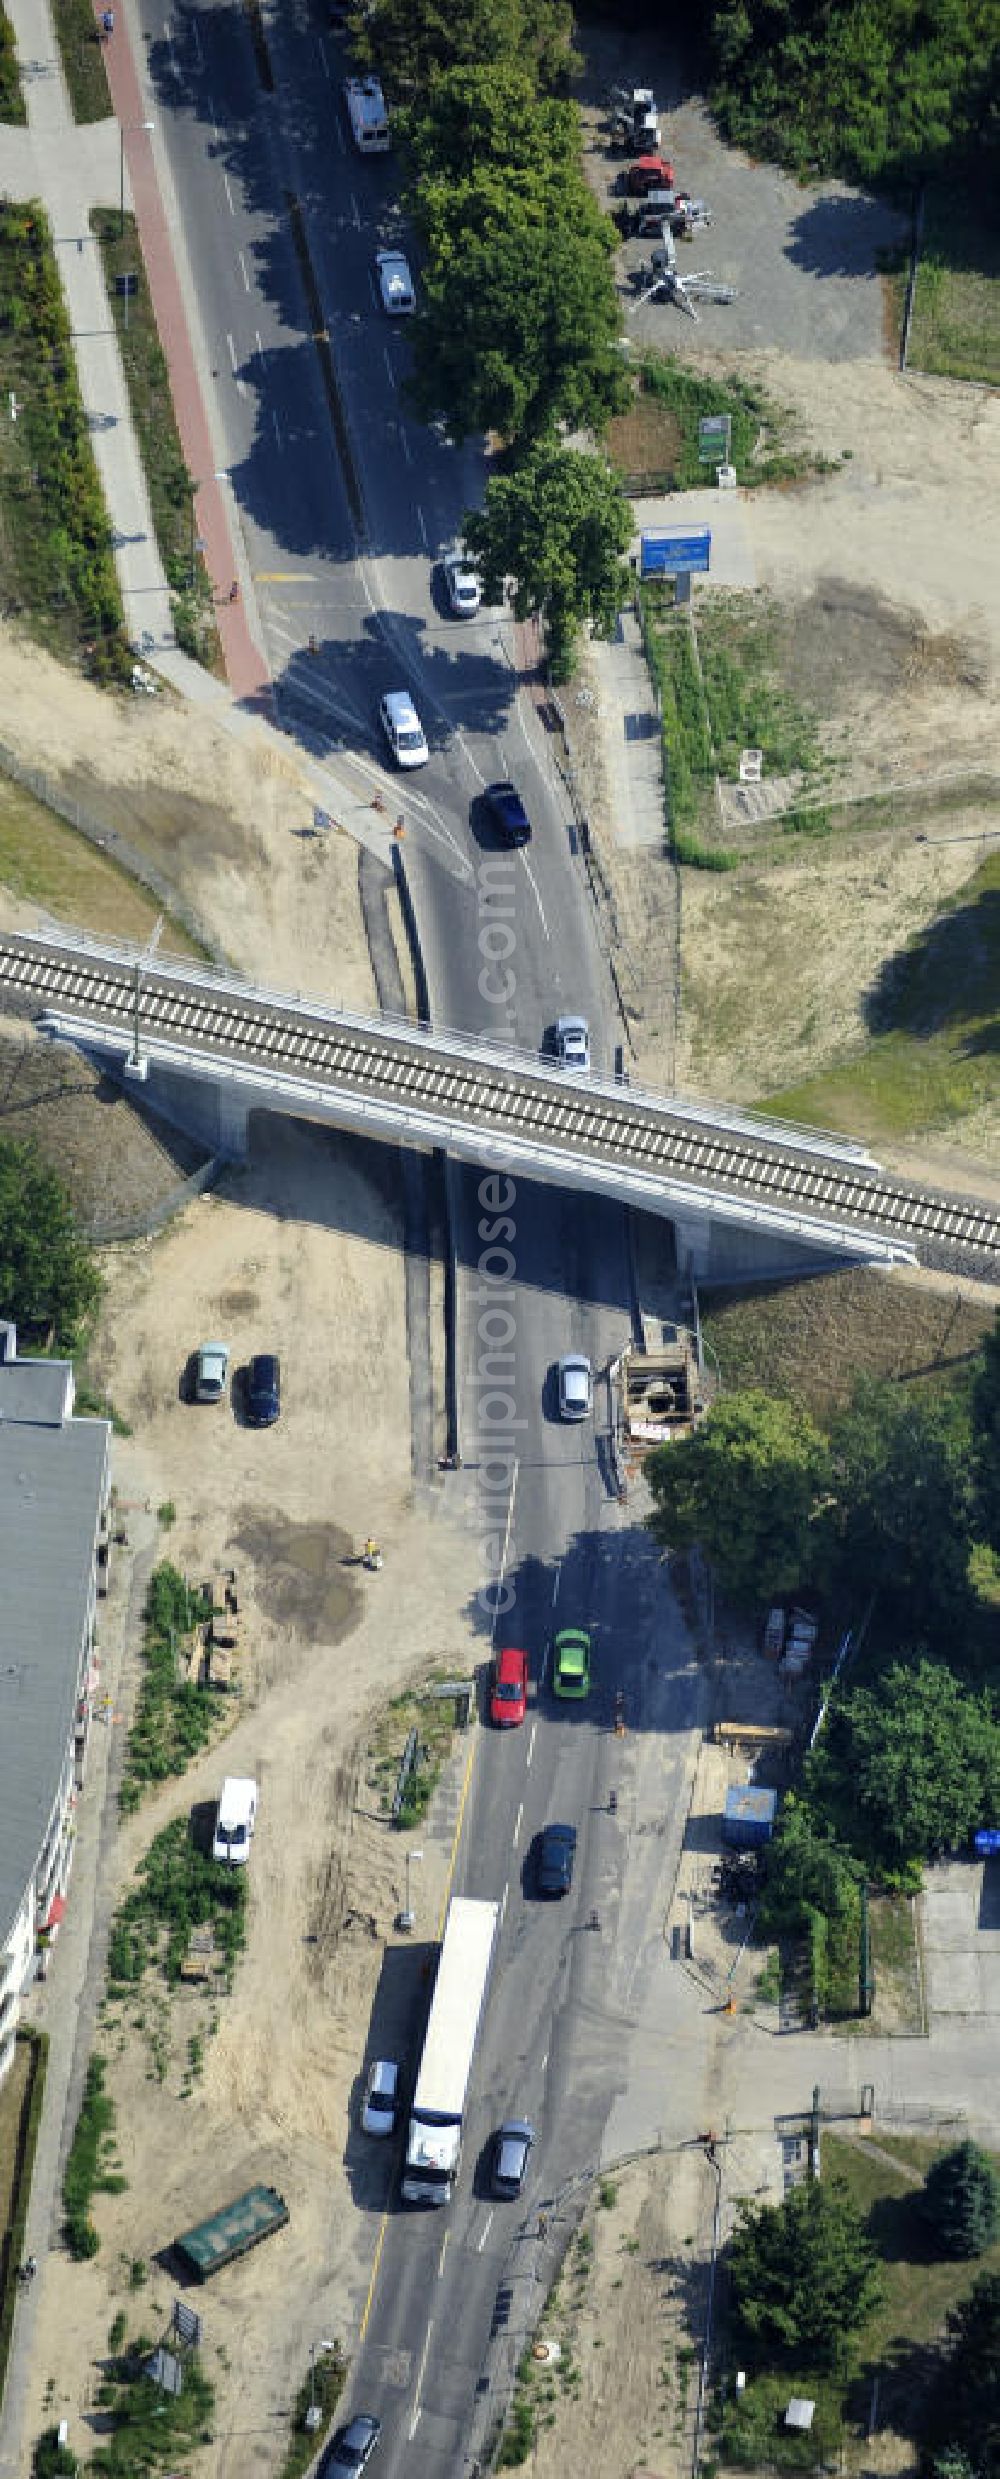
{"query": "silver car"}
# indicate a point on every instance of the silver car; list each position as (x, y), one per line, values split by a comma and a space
(378, 2117)
(211, 1370)
(352, 2449)
(576, 1387)
(511, 2147)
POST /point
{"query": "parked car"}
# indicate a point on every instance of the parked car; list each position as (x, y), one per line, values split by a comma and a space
(571, 1662)
(211, 1370)
(461, 584)
(508, 812)
(556, 1854)
(649, 172)
(576, 1387)
(573, 1043)
(509, 1699)
(264, 1390)
(395, 283)
(352, 2449)
(403, 728)
(378, 2117)
(511, 2146)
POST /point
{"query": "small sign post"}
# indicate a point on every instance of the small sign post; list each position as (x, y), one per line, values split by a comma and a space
(715, 438)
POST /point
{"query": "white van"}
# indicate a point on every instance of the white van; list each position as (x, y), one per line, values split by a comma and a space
(367, 115)
(235, 1822)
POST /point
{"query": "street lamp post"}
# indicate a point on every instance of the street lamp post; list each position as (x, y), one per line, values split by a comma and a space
(133, 125)
(407, 1916)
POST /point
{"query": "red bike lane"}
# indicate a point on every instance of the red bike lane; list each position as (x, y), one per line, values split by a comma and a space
(246, 670)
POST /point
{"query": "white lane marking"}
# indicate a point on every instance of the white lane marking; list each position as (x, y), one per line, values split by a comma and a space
(420, 2379)
(534, 890)
(420, 522)
(444, 2250)
(545, 2061)
(232, 353)
(277, 428)
(260, 347)
(487, 2226)
(355, 212)
(506, 1546)
(503, 1904)
(555, 1584)
(531, 1741)
(470, 760)
(327, 72)
(517, 1828)
(389, 371)
(341, 140)
(405, 445)
(192, 30)
(243, 271)
(229, 194)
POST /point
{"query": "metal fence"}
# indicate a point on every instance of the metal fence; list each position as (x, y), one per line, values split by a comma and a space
(106, 839)
(103, 1232)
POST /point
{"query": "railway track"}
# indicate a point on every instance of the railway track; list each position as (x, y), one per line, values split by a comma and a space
(623, 1127)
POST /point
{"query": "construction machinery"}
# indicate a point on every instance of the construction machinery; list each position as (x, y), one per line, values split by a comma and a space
(661, 279)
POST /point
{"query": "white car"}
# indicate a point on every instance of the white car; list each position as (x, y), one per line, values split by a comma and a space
(461, 584)
(403, 728)
(378, 2117)
(573, 1043)
(395, 283)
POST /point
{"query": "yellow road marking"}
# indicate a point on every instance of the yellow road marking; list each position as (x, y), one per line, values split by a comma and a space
(383, 2226)
(457, 1836)
(283, 576)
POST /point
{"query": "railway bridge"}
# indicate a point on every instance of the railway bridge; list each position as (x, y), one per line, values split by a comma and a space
(744, 1193)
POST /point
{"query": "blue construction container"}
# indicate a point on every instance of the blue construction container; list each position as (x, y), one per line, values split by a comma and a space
(748, 1821)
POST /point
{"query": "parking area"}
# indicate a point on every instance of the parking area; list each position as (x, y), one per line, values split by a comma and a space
(960, 1937)
(803, 262)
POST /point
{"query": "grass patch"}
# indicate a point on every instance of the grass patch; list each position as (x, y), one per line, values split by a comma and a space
(174, 1718)
(46, 862)
(55, 539)
(748, 706)
(920, 2285)
(21, 2097)
(13, 109)
(688, 764)
(895, 1964)
(812, 1340)
(171, 492)
(748, 2429)
(654, 445)
(955, 329)
(148, 2427)
(433, 1718)
(934, 1055)
(82, 54)
(322, 2388)
(177, 1889)
(91, 2168)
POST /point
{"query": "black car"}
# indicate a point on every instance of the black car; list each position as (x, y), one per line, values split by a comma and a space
(556, 1854)
(508, 813)
(352, 2449)
(264, 1390)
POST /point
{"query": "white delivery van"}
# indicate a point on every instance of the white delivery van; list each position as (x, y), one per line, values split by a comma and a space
(235, 1822)
(367, 115)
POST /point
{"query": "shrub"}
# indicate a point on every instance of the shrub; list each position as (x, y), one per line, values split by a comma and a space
(961, 2200)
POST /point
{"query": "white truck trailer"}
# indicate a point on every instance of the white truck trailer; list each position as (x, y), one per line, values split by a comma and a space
(434, 2139)
(235, 1822)
(367, 115)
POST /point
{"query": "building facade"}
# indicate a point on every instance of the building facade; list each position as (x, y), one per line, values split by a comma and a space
(54, 1542)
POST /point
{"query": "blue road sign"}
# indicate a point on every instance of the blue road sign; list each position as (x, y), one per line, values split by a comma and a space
(674, 555)
(986, 1842)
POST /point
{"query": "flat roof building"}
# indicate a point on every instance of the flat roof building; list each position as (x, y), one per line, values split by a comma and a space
(54, 1484)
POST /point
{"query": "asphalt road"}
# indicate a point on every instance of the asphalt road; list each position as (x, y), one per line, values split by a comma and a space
(508, 943)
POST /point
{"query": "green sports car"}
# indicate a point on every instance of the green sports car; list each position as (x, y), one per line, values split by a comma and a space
(571, 1662)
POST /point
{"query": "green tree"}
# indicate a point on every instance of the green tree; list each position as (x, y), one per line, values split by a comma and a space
(48, 1276)
(518, 327)
(963, 2410)
(961, 2200)
(986, 1431)
(804, 2274)
(908, 1769)
(807, 1870)
(746, 1486)
(413, 42)
(887, 92)
(902, 1502)
(558, 525)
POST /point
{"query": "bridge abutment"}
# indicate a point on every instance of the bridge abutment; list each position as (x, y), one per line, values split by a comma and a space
(215, 1113)
(728, 1253)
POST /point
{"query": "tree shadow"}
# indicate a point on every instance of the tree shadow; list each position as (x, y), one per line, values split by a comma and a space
(843, 235)
(948, 975)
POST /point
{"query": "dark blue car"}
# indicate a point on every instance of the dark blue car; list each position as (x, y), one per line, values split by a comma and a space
(508, 813)
(556, 1854)
(264, 1390)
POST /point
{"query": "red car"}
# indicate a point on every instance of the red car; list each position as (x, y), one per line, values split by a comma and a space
(509, 1700)
(649, 172)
